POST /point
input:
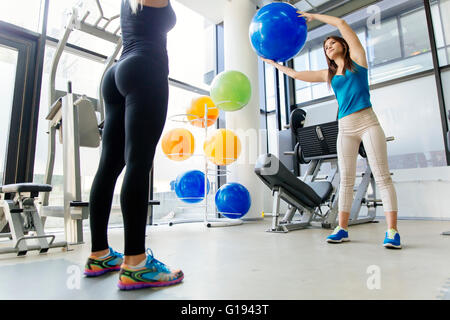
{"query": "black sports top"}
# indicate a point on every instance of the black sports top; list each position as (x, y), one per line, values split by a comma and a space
(146, 30)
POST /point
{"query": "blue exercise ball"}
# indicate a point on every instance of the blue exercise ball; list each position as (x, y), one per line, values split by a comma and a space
(190, 186)
(233, 200)
(277, 32)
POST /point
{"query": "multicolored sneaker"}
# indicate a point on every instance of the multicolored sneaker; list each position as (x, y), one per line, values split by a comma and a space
(392, 239)
(153, 274)
(339, 235)
(97, 266)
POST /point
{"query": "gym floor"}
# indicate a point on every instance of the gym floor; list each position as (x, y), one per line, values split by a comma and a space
(245, 262)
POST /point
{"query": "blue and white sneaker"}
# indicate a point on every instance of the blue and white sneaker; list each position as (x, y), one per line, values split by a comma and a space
(153, 274)
(339, 235)
(392, 239)
(96, 266)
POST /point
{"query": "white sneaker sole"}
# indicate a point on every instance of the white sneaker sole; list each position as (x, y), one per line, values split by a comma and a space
(338, 241)
(390, 245)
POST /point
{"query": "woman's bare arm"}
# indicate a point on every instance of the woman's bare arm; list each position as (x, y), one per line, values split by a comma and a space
(308, 76)
(357, 52)
(312, 76)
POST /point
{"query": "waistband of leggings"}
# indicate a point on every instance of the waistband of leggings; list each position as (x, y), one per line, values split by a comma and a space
(364, 117)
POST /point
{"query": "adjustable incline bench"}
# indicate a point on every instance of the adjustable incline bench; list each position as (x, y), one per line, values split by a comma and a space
(314, 197)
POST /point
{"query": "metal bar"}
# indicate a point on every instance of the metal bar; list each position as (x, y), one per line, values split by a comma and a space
(151, 202)
(15, 225)
(362, 189)
(437, 76)
(289, 215)
(50, 162)
(99, 7)
(33, 247)
(262, 97)
(188, 87)
(275, 209)
(85, 16)
(400, 37)
(40, 230)
(277, 98)
(97, 32)
(110, 20)
(289, 85)
(37, 94)
(205, 159)
(57, 56)
(443, 30)
(71, 167)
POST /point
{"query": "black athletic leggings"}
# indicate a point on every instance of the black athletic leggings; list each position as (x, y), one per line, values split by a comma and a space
(136, 92)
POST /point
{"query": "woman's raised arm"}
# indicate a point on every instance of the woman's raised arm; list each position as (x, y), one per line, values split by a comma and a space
(357, 52)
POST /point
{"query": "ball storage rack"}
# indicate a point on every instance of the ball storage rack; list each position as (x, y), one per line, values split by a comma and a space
(213, 172)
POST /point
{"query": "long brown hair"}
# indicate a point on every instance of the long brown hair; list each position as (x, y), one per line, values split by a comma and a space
(332, 66)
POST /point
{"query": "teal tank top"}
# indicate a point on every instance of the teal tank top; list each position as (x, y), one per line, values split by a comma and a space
(352, 90)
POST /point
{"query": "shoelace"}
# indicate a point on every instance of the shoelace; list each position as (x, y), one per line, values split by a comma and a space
(151, 259)
(391, 233)
(115, 253)
(336, 230)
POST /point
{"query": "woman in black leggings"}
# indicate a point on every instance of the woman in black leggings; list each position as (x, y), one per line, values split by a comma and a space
(135, 91)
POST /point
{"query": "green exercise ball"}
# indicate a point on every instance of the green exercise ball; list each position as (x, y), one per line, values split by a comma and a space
(231, 90)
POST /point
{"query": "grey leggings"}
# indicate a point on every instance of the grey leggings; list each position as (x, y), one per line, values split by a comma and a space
(363, 125)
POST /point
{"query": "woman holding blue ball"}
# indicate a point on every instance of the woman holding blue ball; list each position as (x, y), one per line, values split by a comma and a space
(348, 75)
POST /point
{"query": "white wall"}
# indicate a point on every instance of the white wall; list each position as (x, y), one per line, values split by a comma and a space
(422, 193)
(409, 111)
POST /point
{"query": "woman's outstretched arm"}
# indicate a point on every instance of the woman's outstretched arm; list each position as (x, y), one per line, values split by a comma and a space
(308, 76)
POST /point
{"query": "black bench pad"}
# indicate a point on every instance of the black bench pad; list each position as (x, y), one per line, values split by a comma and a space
(274, 174)
(25, 187)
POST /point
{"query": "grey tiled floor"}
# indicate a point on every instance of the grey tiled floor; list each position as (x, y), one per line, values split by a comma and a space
(245, 262)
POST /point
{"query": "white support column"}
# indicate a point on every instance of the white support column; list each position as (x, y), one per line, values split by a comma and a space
(240, 56)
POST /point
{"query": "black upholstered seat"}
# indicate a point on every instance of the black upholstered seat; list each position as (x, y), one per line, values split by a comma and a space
(25, 187)
(274, 174)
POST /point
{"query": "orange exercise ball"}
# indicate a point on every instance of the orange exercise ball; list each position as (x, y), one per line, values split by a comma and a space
(196, 111)
(178, 144)
(223, 147)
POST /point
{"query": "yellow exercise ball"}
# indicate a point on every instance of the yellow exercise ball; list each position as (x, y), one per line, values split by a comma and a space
(223, 147)
(178, 144)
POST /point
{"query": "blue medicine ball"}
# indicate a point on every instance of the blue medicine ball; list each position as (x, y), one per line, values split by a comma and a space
(277, 32)
(190, 186)
(233, 200)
